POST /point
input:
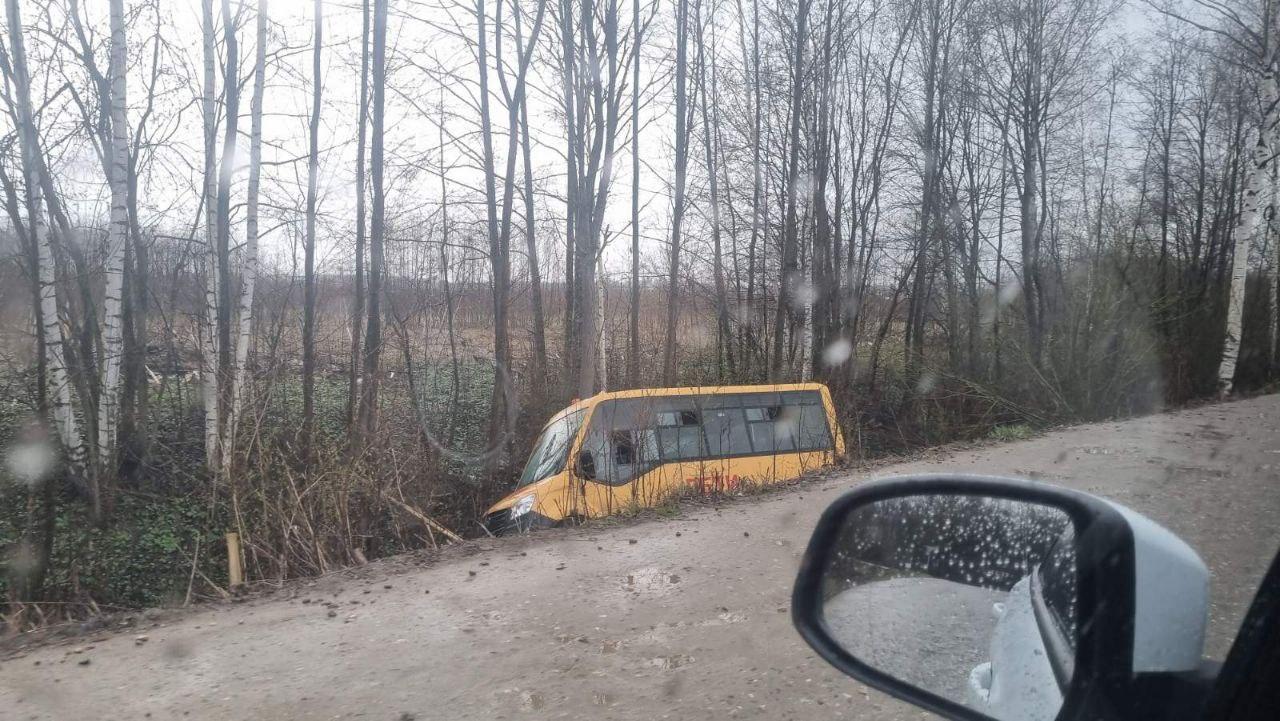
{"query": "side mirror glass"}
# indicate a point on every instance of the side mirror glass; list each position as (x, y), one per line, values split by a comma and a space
(970, 598)
(973, 598)
(587, 465)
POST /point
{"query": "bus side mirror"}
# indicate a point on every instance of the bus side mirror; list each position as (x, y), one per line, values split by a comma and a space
(587, 465)
(985, 598)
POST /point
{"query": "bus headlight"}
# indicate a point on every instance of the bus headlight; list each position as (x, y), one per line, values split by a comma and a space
(522, 506)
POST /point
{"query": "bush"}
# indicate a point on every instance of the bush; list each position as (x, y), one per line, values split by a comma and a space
(1016, 432)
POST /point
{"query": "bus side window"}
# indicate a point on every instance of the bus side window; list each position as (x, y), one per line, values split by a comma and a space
(632, 445)
(814, 432)
(725, 426)
(679, 429)
(624, 448)
(807, 420)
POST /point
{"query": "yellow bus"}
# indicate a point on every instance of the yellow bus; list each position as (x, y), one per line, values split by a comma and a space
(629, 449)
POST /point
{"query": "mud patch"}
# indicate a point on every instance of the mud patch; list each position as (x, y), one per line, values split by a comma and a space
(670, 663)
(650, 582)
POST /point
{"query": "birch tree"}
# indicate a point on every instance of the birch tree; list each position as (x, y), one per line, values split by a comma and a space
(1255, 39)
(209, 327)
(1253, 205)
(249, 267)
(48, 318)
(117, 237)
(1255, 198)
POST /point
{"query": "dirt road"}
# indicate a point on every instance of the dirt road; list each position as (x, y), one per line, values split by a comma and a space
(682, 619)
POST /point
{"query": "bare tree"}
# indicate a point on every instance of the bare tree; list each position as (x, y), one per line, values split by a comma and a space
(633, 318)
(358, 295)
(683, 114)
(499, 222)
(791, 221)
(377, 228)
(309, 243)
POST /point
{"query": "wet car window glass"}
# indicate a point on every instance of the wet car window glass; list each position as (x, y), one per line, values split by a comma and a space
(552, 449)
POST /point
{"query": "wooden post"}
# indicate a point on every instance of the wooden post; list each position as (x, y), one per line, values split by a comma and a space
(234, 572)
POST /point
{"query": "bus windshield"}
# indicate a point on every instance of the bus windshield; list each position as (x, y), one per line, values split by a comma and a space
(552, 449)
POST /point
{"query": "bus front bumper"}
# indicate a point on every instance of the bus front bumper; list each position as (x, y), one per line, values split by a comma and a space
(500, 523)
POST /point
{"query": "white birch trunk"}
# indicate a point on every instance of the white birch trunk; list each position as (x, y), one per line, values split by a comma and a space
(208, 331)
(50, 322)
(249, 271)
(1251, 210)
(117, 160)
(1273, 231)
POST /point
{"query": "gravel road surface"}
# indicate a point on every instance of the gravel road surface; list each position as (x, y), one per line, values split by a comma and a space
(685, 618)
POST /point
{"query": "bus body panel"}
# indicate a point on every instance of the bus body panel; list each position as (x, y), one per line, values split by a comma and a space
(566, 495)
(724, 475)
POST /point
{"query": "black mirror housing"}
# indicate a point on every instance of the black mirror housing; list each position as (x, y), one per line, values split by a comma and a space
(1105, 591)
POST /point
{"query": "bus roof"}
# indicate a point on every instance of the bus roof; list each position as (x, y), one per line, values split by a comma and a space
(683, 391)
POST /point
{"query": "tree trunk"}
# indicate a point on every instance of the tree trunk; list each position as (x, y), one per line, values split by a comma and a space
(530, 230)
(677, 217)
(790, 231)
(724, 345)
(373, 335)
(48, 317)
(572, 145)
(633, 320)
(230, 139)
(113, 262)
(249, 271)
(497, 251)
(357, 301)
(209, 336)
(1251, 210)
(309, 245)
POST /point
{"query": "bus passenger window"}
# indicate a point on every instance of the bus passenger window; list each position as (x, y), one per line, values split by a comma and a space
(726, 432)
(764, 431)
(672, 419)
(680, 444)
(785, 429)
(624, 448)
(813, 429)
(634, 452)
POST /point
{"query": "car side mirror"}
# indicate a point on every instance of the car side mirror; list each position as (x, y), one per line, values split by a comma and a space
(984, 598)
(587, 465)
